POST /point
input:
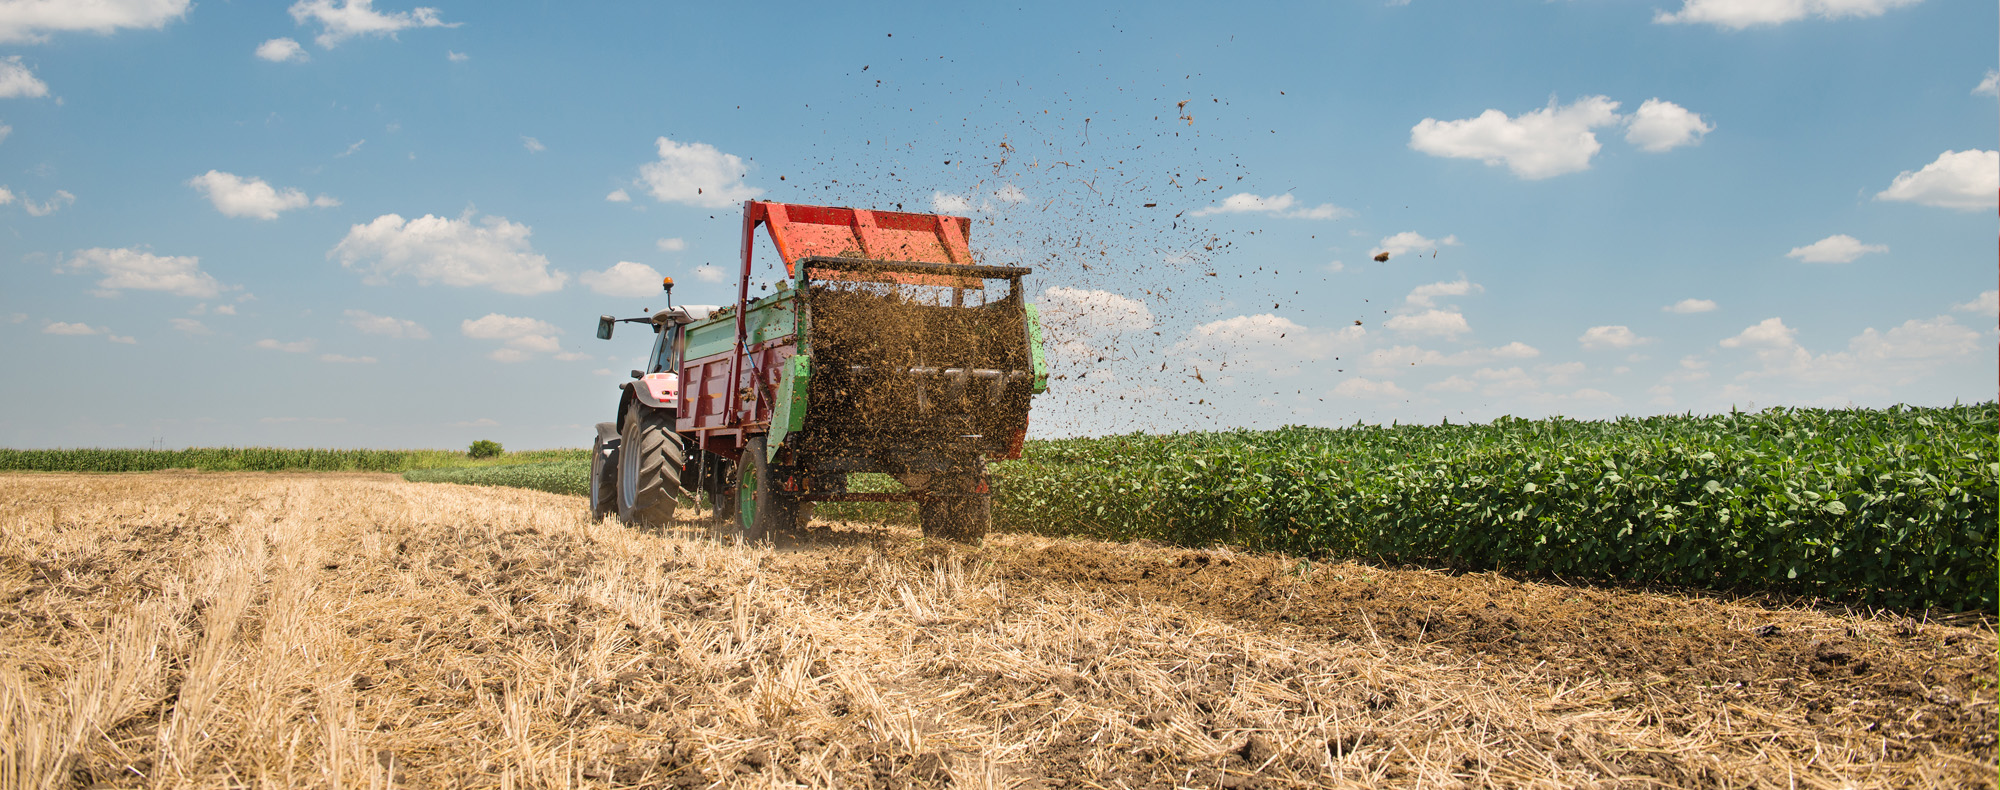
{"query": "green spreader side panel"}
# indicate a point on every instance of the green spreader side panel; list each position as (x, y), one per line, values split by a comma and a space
(1035, 347)
(793, 384)
(769, 318)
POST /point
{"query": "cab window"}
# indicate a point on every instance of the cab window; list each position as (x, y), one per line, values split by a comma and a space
(665, 348)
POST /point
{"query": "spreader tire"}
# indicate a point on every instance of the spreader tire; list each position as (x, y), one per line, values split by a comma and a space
(604, 472)
(763, 512)
(650, 458)
(961, 518)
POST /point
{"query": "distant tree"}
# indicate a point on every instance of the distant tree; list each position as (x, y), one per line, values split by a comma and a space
(484, 448)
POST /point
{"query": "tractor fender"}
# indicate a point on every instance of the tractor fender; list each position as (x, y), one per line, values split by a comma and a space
(657, 390)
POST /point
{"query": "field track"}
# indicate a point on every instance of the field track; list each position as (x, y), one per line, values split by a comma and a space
(355, 630)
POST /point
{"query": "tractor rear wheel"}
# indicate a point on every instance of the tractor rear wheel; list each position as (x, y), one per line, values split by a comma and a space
(961, 518)
(650, 457)
(604, 472)
(763, 511)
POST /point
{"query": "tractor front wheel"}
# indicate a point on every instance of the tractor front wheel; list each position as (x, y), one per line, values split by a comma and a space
(650, 458)
(604, 472)
(763, 511)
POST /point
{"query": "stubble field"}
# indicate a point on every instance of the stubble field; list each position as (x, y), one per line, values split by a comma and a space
(357, 630)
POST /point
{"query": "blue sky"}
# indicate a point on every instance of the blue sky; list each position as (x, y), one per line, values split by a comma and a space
(336, 223)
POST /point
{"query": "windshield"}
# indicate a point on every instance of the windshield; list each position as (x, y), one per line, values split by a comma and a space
(663, 350)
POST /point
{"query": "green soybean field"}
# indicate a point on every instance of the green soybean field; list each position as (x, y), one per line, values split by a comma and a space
(1883, 506)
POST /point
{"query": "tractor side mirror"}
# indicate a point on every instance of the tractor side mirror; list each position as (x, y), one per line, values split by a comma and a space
(604, 325)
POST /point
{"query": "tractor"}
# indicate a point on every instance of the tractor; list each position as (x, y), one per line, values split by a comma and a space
(884, 349)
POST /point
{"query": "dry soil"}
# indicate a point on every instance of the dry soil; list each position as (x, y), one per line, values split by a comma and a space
(357, 630)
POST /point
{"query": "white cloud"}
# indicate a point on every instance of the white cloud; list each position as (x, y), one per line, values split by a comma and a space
(1010, 194)
(296, 347)
(624, 278)
(4, 131)
(1399, 359)
(1598, 338)
(618, 196)
(126, 339)
(55, 203)
(1547, 142)
(1768, 333)
(710, 273)
(355, 146)
(134, 270)
(1446, 323)
(1989, 86)
(1424, 295)
(1838, 248)
(1686, 306)
(1692, 368)
(1365, 388)
(1964, 180)
(1085, 311)
(671, 245)
(1278, 205)
(32, 20)
(1740, 14)
(1560, 374)
(696, 174)
(1452, 384)
(1900, 355)
(236, 196)
(1504, 381)
(523, 337)
(190, 326)
(533, 145)
(17, 82)
(571, 356)
(373, 324)
(1083, 324)
(1987, 303)
(489, 252)
(63, 328)
(17, 318)
(456, 57)
(340, 20)
(342, 358)
(1916, 339)
(279, 50)
(229, 309)
(950, 204)
(1264, 343)
(6, 195)
(1663, 126)
(1411, 241)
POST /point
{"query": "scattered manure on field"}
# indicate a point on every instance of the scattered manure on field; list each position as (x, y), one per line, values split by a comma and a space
(1114, 201)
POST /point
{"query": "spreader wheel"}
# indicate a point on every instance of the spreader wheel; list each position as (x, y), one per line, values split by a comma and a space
(961, 518)
(650, 457)
(604, 472)
(763, 512)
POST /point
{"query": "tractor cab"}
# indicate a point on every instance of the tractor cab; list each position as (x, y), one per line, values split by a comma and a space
(670, 339)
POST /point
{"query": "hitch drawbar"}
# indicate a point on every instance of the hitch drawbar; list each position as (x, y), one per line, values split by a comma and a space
(957, 380)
